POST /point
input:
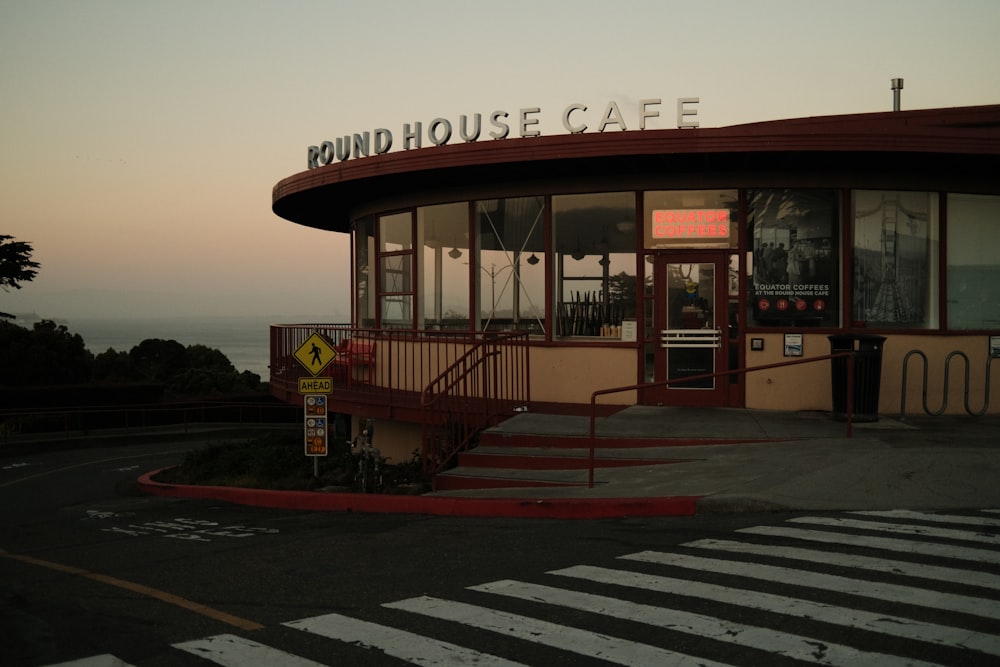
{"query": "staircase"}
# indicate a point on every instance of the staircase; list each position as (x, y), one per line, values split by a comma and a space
(532, 451)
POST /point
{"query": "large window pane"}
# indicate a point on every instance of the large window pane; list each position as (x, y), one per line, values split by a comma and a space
(595, 280)
(395, 263)
(973, 262)
(396, 297)
(792, 265)
(364, 289)
(895, 259)
(443, 233)
(511, 266)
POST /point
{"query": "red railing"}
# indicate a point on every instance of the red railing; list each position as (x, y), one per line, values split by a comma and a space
(455, 382)
(478, 390)
(403, 361)
(739, 371)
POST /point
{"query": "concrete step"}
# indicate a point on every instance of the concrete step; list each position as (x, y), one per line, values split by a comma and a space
(487, 467)
(556, 458)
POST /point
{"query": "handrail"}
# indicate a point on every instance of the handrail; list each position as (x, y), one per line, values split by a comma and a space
(738, 371)
(480, 381)
(944, 398)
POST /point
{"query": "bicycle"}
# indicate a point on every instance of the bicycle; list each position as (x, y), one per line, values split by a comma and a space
(369, 475)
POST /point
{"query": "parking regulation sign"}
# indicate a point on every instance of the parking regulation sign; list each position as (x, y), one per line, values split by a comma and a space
(316, 425)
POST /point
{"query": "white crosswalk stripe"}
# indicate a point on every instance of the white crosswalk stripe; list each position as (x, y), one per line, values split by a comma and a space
(408, 646)
(831, 582)
(775, 641)
(778, 604)
(954, 519)
(881, 588)
(936, 550)
(234, 651)
(906, 529)
(595, 644)
(897, 567)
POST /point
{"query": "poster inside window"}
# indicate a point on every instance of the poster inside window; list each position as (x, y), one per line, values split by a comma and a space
(895, 259)
(793, 263)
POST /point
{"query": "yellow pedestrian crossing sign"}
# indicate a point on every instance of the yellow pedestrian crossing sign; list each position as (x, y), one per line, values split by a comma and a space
(315, 354)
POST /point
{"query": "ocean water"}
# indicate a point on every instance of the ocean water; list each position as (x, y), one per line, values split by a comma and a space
(245, 340)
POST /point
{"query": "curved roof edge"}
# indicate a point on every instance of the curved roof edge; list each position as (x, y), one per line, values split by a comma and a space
(323, 197)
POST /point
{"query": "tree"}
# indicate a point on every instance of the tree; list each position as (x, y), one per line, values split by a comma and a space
(15, 265)
(48, 354)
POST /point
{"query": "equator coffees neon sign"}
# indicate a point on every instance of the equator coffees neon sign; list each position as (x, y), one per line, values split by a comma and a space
(440, 131)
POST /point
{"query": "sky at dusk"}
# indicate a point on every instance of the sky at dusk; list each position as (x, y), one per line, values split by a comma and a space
(141, 140)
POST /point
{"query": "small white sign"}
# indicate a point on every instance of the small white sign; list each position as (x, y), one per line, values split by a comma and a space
(629, 331)
(793, 345)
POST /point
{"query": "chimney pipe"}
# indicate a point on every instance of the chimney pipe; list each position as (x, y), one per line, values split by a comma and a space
(897, 85)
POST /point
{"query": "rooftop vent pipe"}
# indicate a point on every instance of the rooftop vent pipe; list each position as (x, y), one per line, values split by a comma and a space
(897, 85)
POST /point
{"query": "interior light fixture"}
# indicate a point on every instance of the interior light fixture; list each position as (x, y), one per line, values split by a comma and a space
(454, 253)
(578, 254)
(533, 259)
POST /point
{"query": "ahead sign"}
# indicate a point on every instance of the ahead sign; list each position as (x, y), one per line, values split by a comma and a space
(315, 385)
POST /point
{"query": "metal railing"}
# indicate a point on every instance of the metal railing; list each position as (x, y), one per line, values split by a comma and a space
(459, 381)
(71, 421)
(404, 361)
(487, 383)
(738, 371)
(944, 399)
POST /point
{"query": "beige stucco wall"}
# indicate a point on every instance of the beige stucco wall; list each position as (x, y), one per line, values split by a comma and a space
(396, 441)
(571, 374)
(807, 387)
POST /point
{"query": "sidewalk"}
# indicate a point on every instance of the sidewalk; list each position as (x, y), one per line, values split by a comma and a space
(786, 461)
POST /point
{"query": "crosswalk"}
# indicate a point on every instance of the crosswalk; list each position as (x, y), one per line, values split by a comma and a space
(861, 588)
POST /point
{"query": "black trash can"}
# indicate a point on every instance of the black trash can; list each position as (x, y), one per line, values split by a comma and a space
(867, 353)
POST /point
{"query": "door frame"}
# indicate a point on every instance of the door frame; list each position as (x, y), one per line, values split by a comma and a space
(671, 395)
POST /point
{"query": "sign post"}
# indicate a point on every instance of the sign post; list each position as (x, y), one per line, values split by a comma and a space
(315, 354)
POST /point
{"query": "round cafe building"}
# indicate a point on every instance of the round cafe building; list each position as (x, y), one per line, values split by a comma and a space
(496, 269)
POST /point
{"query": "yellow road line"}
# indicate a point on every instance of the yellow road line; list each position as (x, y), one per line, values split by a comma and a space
(154, 593)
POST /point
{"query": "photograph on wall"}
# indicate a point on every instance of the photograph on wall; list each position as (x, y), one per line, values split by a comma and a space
(793, 265)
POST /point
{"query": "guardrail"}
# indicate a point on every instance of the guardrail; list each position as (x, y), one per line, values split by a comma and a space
(944, 400)
(739, 371)
(70, 420)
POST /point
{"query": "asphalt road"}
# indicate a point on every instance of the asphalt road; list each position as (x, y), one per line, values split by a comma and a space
(92, 571)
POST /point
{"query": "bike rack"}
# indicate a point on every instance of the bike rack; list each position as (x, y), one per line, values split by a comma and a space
(947, 369)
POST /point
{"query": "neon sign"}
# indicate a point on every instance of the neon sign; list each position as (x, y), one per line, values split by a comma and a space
(691, 224)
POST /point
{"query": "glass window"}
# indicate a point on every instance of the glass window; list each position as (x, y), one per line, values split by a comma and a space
(511, 263)
(895, 259)
(443, 233)
(595, 260)
(364, 293)
(792, 266)
(973, 262)
(395, 265)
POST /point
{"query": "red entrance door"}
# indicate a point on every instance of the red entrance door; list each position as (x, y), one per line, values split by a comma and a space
(692, 321)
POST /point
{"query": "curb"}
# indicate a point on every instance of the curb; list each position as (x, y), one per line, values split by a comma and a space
(558, 508)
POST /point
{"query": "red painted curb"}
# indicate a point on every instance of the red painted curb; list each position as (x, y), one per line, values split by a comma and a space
(532, 508)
